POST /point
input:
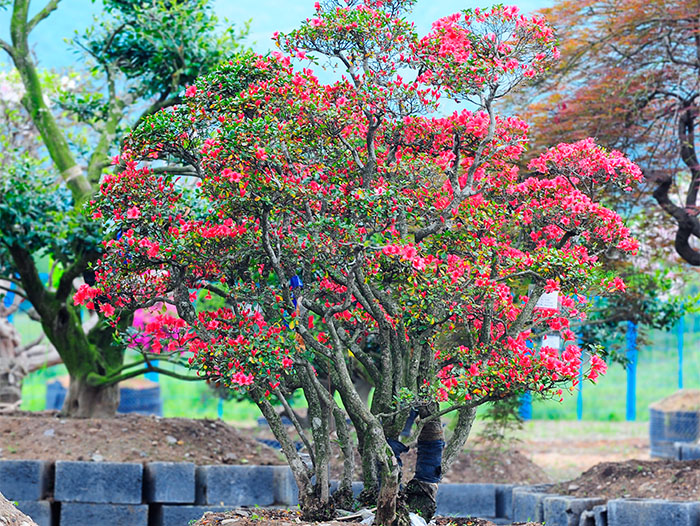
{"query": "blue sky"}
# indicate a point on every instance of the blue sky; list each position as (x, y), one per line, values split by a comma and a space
(267, 17)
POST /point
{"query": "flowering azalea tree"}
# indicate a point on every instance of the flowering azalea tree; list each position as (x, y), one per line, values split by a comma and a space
(352, 226)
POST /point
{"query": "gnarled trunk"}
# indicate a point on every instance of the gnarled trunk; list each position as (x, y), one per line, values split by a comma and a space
(86, 401)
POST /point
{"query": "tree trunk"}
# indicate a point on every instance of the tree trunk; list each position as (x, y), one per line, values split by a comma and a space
(388, 489)
(11, 515)
(87, 401)
(10, 372)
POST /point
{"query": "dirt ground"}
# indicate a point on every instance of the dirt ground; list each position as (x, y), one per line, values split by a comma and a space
(565, 449)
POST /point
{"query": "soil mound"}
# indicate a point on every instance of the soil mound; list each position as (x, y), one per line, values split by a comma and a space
(129, 438)
(648, 479)
(682, 400)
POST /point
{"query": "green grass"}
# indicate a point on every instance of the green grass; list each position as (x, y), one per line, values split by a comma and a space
(657, 377)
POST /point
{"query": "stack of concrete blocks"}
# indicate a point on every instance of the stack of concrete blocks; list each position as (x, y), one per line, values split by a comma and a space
(29, 484)
(533, 503)
(131, 494)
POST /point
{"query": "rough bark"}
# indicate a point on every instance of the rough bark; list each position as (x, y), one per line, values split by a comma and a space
(87, 401)
(11, 515)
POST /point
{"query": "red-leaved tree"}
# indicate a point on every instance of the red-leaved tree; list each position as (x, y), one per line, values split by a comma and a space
(353, 226)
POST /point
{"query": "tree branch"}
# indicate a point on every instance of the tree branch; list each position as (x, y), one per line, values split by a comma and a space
(41, 15)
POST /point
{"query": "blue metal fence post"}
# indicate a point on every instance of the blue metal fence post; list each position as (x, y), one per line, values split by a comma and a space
(631, 371)
(681, 333)
(525, 409)
(579, 396)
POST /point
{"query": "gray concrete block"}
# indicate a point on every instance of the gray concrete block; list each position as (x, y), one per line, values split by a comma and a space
(528, 504)
(633, 512)
(286, 491)
(98, 482)
(38, 510)
(25, 479)
(564, 510)
(687, 451)
(357, 487)
(171, 482)
(598, 516)
(84, 514)
(235, 485)
(467, 500)
(180, 515)
(504, 500)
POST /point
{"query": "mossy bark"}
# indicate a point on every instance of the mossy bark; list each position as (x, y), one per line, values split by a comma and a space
(91, 358)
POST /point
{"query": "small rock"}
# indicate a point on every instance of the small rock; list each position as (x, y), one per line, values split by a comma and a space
(171, 439)
(97, 457)
(229, 521)
(416, 520)
(573, 487)
(143, 454)
(49, 433)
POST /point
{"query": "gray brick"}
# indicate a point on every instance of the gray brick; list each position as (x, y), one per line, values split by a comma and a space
(475, 500)
(566, 511)
(108, 482)
(357, 488)
(504, 500)
(528, 504)
(82, 514)
(25, 479)
(633, 512)
(38, 510)
(174, 515)
(171, 482)
(598, 516)
(235, 485)
(687, 451)
(286, 491)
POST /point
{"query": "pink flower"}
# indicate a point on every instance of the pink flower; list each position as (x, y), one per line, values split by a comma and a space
(133, 212)
(551, 286)
(191, 91)
(107, 309)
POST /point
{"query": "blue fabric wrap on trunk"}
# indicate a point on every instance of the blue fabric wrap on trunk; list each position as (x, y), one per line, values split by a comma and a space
(429, 461)
(398, 448)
